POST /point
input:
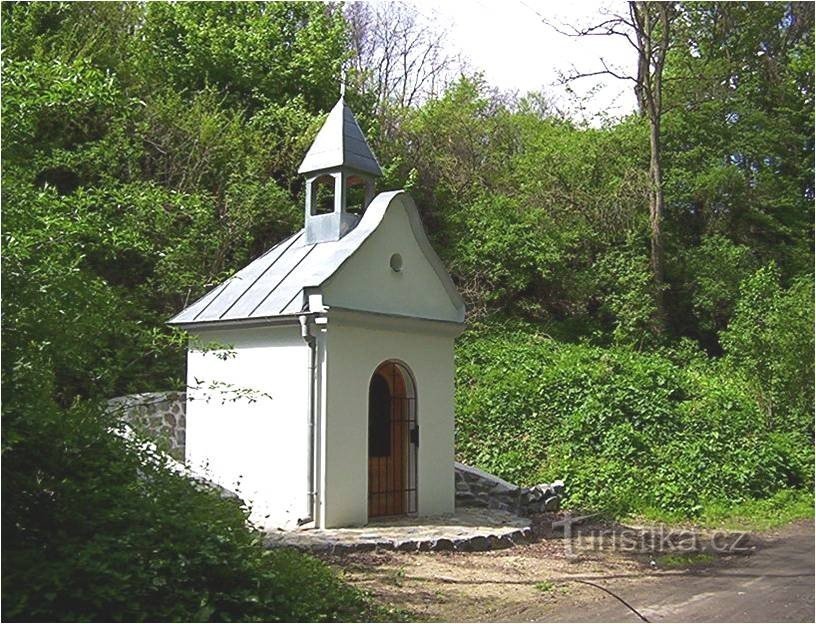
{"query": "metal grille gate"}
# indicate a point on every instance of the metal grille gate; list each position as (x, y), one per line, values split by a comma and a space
(392, 442)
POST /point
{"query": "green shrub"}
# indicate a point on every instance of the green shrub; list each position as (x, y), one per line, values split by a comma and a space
(627, 431)
(509, 250)
(715, 269)
(625, 278)
(95, 529)
(770, 338)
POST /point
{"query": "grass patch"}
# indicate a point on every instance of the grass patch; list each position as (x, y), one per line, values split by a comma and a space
(759, 515)
(684, 560)
(753, 515)
(329, 596)
(544, 586)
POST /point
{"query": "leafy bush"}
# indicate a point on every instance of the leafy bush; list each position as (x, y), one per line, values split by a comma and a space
(627, 431)
(508, 251)
(715, 269)
(770, 337)
(95, 528)
(625, 276)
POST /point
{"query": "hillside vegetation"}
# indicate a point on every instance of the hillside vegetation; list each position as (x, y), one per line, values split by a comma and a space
(151, 149)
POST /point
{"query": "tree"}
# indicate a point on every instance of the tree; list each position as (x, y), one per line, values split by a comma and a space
(650, 22)
(255, 52)
(770, 337)
(647, 27)
(521, 205)
(739, 129)
(398, 57)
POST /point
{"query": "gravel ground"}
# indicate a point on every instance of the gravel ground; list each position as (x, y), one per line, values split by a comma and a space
(771, 579)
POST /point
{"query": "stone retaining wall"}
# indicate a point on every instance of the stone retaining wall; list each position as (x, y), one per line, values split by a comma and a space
(159, 416)
(477, 488)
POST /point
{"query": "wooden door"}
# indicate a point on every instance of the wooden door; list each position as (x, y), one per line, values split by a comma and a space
(390, 421)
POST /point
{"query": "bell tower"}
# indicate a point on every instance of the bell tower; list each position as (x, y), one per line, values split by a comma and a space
(340, 170)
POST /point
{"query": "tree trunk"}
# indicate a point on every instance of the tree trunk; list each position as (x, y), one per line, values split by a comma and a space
(656, 210)
(650, 23)
(652, 33)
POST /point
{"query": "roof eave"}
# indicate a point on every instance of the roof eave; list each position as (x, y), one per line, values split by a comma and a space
(313, 173)
(261, 321)
(347, 315)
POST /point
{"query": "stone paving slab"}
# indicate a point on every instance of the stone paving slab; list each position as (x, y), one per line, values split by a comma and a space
(469, 529)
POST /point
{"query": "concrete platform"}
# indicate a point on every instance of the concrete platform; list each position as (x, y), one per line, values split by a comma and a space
(469, 529)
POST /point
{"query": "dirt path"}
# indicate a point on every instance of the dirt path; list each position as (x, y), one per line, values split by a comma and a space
(775, 584)
(540, 582)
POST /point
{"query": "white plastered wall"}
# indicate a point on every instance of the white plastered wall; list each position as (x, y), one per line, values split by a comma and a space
(256, 448)
(355, 346)
(366, 281)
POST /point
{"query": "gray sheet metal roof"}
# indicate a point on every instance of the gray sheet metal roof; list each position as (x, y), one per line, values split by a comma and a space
(274, 284)
(260, 286)
(340, 143)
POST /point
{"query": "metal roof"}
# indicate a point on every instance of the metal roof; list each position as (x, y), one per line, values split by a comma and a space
(340, 143)
(265, 287)
(275, 284)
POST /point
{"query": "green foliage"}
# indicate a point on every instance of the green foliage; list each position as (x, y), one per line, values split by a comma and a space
(739, 123)
(51, 106)
(625, 275)
(145, 158)
(544, 586)
(553, 234)
(715, 269)
(770, 337)
(506, 250)
(737, 147)
(125, 198)
(627, 431)
(95, 528)
(520, 224)
(260, 52)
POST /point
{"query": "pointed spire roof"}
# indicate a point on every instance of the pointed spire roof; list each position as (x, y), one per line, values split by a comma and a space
(340, 144)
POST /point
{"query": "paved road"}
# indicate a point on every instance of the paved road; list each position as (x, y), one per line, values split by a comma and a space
(776, 584)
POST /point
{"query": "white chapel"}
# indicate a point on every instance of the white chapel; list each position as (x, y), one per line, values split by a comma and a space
(328, 400)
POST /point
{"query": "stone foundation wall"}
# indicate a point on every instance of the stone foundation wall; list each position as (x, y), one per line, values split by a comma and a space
(159, 416)
(477, 488)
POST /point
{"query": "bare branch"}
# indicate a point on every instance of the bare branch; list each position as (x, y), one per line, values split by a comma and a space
(400, 56)
(606, 71)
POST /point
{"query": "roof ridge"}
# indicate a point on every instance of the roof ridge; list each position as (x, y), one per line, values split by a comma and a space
(343, 125)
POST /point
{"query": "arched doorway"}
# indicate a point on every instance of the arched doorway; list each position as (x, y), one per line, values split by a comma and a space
(393, 438)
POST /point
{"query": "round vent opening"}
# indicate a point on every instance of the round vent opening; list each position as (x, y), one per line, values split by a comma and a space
(396, 263)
